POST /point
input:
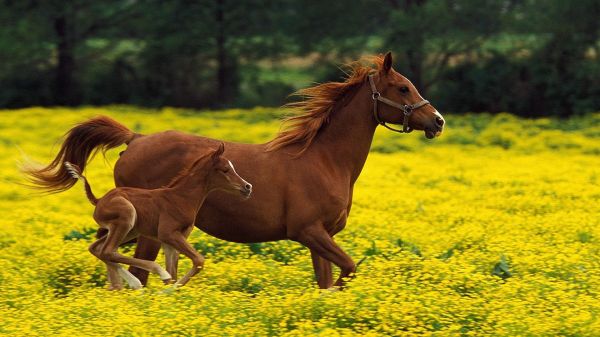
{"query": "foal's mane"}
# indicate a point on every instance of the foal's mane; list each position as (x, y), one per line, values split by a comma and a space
(319, 102)
(184, 172)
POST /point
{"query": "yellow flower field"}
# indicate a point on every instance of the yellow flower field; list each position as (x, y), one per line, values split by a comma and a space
(492, 229)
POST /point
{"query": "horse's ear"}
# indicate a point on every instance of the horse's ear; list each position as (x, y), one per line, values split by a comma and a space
(218, 152)
(387, 62)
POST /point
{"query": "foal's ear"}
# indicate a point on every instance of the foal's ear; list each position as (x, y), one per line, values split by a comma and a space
(387, 62)
(218, 152)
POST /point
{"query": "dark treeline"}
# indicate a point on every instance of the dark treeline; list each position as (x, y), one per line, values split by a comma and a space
(528, 57)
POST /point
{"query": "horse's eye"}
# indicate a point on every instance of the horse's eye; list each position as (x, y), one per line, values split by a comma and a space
(226, 170)
(404, 90)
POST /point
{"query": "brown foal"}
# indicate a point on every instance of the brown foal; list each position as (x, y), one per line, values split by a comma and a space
(165, 214)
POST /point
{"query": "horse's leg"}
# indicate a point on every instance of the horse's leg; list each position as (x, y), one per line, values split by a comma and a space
(322, 269)
(117, 234)
(113, 275)
(146, 249)
(317, 239)
(178, 240)
(171, 259)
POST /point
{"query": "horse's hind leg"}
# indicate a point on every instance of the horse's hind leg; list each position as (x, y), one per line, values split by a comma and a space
(145, 249)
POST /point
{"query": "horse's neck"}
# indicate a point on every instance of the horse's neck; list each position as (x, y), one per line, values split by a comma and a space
(346, 139)
(188, 193)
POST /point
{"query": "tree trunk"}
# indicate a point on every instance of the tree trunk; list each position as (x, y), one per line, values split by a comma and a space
(222, 94)
(64, 86)
(227, 80)
(415, 64)
(415, 54)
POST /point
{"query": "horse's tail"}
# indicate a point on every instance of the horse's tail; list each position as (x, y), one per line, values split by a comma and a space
(82, 142)
(75, 172)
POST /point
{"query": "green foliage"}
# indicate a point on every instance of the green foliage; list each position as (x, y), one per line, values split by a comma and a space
(85, 234)
(66, 277)
(526, 57)
(410, 247)
(502, 269)
(460, 206)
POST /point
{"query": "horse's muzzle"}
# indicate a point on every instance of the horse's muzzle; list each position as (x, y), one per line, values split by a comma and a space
(436, 128)
(431, 133)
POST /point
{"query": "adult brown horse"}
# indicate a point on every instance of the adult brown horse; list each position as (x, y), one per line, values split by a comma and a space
(303, 179)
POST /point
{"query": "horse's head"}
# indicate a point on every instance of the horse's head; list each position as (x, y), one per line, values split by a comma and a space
(221, 175)
(397, 101)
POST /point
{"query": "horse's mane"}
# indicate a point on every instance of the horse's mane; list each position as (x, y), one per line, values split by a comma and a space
(320, 101)
(184, 172)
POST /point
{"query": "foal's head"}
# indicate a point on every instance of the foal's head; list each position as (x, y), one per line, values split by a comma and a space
(398, 88)
(217, 173)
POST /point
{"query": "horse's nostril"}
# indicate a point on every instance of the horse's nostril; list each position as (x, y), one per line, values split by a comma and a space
(439, 121)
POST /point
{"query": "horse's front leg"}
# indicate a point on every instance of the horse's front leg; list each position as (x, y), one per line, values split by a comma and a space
(322, 269)
(318, 240)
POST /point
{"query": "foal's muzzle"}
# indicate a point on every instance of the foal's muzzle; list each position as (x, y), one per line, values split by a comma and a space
(246, 189)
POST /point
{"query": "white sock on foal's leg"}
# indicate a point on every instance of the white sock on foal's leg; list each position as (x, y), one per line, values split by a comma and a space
(133, 281)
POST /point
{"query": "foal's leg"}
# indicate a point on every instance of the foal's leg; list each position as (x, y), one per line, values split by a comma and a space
(100, 250)
(171, 260)
(112, 268)
(118, 234)
(318, 240)
(119, 231)
(177, 240)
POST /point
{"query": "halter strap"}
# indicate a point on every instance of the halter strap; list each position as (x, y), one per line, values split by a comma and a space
(407, 109)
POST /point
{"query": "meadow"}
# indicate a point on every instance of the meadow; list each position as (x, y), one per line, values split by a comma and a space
(491, 229)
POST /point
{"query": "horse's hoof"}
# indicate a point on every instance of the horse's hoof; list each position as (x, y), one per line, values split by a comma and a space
(115, 288)
(168, 281)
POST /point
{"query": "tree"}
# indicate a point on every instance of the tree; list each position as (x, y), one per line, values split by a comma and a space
(60, 29)
(428, 34)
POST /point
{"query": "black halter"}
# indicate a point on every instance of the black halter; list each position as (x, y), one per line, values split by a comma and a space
(407, 109)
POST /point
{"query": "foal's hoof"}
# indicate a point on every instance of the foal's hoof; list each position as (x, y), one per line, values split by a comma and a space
(168, 281)
(135, 285)
(115, 287)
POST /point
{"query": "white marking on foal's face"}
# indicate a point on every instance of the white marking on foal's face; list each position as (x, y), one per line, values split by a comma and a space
(243, 180)
(231, 164)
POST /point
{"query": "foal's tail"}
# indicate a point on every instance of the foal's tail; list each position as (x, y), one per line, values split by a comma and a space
(82, 142)
(75, 172)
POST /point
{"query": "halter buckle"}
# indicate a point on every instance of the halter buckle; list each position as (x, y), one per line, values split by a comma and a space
(375, 95)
